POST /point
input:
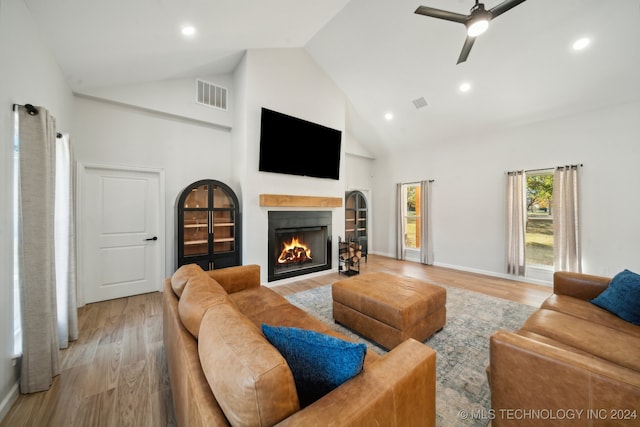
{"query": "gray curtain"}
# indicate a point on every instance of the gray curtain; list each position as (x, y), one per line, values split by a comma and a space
(566, 224)
(37, 142)
(516, 222)
(400, 230)
(426, 236)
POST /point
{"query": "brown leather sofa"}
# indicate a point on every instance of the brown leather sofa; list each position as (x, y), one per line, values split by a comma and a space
(571, 364)
(223, 371)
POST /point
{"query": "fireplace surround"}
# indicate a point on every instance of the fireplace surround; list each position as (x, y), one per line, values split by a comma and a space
(299, 242)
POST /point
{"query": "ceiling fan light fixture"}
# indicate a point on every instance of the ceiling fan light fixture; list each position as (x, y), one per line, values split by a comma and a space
(477, 27)
(581, 43)
(188, 31)
(478, 21)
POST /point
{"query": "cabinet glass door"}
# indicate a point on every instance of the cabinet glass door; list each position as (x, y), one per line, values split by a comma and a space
(361, 223)
(223, 221)
(222, 200)
(223, 231)
(196, 222)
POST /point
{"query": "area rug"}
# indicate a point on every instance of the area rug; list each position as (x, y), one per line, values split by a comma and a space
(462, 348)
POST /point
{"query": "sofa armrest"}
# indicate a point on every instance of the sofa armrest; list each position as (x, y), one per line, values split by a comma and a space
(239, 278)
(399, 389)
(526, 374)
(578, 285)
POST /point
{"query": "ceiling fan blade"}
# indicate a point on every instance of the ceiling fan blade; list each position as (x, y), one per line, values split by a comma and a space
(468, 44)
(504, 6)
(441, 14)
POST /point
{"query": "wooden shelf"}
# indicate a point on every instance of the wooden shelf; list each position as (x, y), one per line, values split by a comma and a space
(284, 200)
(226, 239)
(195, 242)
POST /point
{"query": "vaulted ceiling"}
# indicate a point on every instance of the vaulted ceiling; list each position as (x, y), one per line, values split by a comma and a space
(381, 54)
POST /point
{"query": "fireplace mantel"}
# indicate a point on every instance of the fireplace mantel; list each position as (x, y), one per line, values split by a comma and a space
(284, 200)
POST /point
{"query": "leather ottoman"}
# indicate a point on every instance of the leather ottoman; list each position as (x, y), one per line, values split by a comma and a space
(388, 309)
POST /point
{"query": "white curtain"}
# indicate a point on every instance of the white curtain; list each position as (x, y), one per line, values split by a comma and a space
(65, 250)
(566, 225)
(426, 236)
(516, 222)
(400, 228)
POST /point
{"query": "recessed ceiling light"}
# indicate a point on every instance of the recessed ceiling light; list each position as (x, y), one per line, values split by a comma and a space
(188, 31)
(465, 87)
(388, 116)
(581, 43)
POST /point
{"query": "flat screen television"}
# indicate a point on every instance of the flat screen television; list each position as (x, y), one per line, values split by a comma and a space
(293, 146)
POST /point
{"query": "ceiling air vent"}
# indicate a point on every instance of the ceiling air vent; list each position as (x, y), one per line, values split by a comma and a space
(211, 95)
(420, 102)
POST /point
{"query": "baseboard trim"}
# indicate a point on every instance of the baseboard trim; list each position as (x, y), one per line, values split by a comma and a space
(382, 254)
(8, 400)
(494, 274)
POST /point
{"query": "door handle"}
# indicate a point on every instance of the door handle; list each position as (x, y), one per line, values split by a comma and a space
(151, 238)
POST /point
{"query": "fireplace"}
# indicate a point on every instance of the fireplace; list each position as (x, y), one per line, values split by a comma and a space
(299, 243)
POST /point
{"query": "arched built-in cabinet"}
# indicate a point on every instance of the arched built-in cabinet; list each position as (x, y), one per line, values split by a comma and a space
(208, 225)
(356, 219)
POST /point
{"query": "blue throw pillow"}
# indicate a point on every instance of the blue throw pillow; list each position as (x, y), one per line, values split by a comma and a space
(319, 362)
(622, 297)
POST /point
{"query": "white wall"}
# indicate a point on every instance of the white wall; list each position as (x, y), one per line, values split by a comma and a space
(469, 189)
(186, 150)
(173, 96)
(266, 78)
(29, 75)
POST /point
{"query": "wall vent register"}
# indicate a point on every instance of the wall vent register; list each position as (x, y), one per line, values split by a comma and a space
(211, 95)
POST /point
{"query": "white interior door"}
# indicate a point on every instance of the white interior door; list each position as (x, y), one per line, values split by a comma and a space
(121, 220)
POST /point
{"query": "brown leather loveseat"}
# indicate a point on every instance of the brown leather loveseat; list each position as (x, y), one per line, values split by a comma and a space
(571, 364)
(223, 371)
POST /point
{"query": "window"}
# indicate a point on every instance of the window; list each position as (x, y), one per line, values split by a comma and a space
(411, 213)
(539, 232)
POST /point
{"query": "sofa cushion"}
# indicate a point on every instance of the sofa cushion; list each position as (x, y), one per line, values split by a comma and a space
(237, 278)
(622, 297)
(200, 293)
(591, 312)
(255, 301)
(600, 341)
(319, 362)
(249, 378)
(182, 275)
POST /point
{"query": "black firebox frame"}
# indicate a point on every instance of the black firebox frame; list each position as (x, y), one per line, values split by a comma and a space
(279, 220)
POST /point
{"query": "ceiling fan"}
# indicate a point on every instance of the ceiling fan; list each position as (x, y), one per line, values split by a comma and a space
(476, 22)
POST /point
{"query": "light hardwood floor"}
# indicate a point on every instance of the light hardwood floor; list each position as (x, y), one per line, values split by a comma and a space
(513, 290)
(115, 374)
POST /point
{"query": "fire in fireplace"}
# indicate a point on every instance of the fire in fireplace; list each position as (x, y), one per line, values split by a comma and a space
(295, 252)
(299, 243)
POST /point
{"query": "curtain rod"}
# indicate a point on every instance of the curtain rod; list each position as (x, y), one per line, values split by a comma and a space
(32, 111)
(418, 182)
(546, 169)
(542, 169)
